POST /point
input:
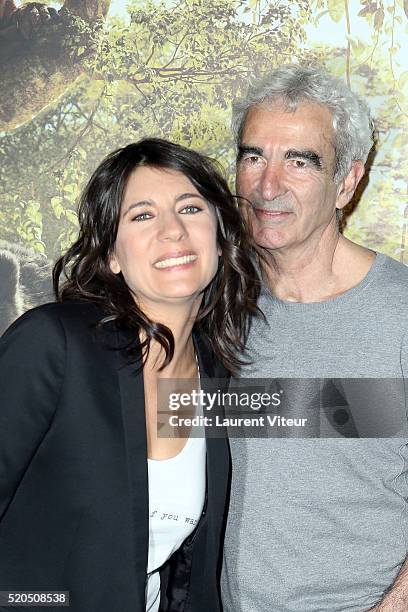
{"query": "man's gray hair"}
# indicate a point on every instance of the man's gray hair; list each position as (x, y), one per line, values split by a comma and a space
(293, 85)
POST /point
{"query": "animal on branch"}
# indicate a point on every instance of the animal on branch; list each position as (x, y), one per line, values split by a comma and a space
(43, 52)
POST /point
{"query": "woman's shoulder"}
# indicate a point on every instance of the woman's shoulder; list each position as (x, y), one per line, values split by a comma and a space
(54, 317)
(68, 309)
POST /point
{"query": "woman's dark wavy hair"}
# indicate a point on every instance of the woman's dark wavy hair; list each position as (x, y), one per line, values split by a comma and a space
(229, 300)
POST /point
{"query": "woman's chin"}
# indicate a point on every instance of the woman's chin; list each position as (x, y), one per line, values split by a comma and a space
(176, 297)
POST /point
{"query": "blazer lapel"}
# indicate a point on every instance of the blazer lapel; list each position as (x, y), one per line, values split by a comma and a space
(215, 437)
(134, 426)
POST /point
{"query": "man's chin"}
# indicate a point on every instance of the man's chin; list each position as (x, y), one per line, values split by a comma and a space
(270, 238)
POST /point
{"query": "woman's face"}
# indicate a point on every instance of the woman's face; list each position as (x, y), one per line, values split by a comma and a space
(166, 246)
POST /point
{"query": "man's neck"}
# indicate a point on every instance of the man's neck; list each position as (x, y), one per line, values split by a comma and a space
(315, 273)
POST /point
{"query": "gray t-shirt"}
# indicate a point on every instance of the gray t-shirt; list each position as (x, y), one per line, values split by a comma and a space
(320, 525)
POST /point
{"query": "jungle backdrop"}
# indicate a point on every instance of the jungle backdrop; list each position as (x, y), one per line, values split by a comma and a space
(81, 78)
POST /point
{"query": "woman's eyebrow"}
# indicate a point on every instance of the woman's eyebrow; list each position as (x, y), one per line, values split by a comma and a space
(139, 205)
(186, 196)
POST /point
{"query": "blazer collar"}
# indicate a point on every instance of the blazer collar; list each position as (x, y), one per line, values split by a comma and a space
(131, 389)
(132, 403)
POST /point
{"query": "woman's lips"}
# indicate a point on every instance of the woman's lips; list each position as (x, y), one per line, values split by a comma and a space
(175, 262)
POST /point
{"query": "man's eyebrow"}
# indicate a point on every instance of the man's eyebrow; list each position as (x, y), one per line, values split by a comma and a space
(247, 150)
(305, 154)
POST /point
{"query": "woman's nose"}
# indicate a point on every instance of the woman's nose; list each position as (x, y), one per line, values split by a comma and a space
(172, 228)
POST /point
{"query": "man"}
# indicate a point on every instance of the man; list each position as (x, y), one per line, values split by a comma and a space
(319, 524)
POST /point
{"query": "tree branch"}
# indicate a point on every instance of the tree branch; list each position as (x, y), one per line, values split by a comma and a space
(78, 138)
(348, 52)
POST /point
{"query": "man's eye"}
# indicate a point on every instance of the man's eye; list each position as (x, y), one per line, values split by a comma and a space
(142, 217)
(299, 163)
(251, 160)
(190, 210)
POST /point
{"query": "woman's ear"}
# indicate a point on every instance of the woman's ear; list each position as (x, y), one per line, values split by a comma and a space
(114, 264)
(219, 251)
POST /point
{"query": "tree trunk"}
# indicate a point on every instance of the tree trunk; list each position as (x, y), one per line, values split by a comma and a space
(40, 59)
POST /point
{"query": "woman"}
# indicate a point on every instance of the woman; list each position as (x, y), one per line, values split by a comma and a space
(92, 501)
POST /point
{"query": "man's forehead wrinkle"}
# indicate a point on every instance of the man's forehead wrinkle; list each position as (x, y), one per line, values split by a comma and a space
(290, 106)
(266, 128)
(331, 141)
(278, 104)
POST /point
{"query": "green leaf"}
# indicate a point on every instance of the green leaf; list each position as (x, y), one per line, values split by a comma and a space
(39, 246)
(403, 80)
(359, 48)
(72, 217)
(56, 203)
(401, 140)
(336, 9)
(70, 188)
(378, 19)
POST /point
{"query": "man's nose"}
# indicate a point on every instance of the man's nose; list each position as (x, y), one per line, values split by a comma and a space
(271, 185)
(172, 228)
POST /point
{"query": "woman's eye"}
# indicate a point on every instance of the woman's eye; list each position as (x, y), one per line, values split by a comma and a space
(142, 217)
(190, 210)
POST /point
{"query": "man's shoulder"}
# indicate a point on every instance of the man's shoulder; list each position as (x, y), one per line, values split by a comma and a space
(392, 275)
(396, 268)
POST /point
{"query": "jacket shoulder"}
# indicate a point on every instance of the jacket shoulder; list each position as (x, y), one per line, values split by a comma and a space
(67, 310)
(56, 315)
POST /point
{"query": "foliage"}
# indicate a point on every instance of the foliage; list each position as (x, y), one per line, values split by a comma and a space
(376, 70)
(172, 69)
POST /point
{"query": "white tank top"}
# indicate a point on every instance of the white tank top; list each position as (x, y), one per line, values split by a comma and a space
(176, 501)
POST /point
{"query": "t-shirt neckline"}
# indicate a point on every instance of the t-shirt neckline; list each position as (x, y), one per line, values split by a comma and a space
(339, 300)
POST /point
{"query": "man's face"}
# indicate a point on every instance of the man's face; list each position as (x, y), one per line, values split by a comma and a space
(285, 169)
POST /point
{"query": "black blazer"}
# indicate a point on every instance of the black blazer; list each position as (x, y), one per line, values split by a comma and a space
(73, 471)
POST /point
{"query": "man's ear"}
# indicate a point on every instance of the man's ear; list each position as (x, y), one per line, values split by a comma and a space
(349, 184)
(114, 264)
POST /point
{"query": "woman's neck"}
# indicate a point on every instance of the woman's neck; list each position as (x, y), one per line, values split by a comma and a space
(180, 321)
